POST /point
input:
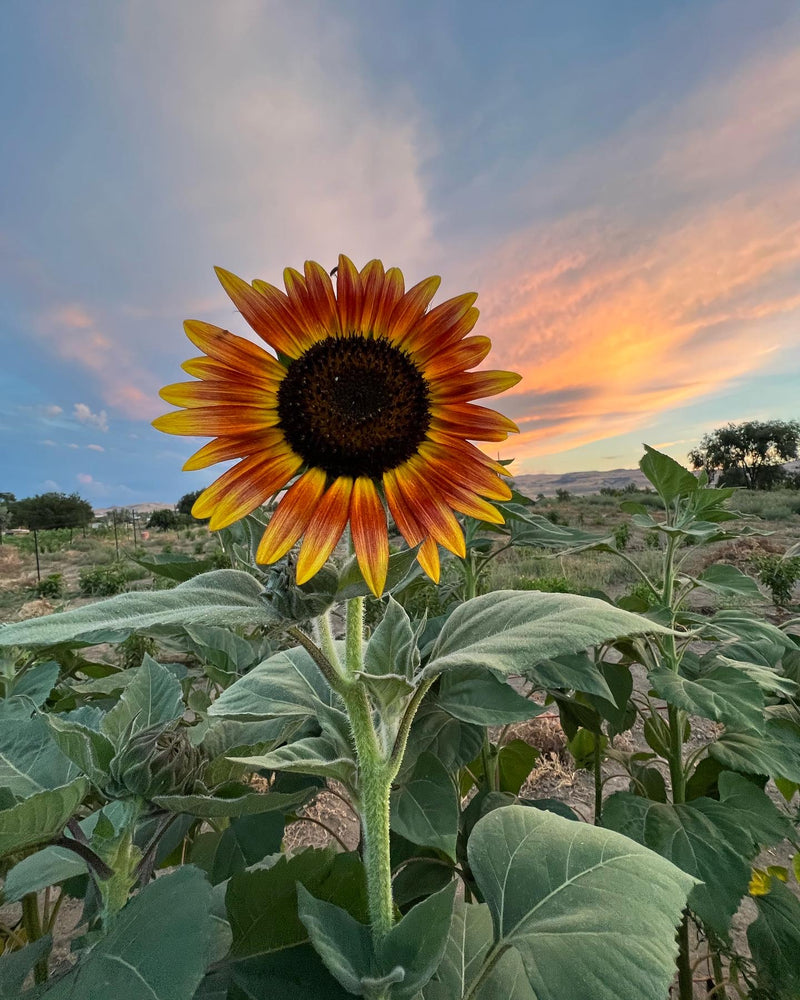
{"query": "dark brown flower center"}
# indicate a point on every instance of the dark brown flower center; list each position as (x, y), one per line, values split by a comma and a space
(354, 407)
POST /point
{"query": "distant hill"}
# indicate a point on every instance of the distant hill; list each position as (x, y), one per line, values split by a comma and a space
(578, 483)
(140, 508)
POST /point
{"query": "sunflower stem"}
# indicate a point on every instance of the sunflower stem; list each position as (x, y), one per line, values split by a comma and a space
(326, 641)
(354, 647)
(375, 775)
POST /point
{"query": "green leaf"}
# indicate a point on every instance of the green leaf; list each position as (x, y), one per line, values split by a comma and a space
(37, 682)
(424, 805)
(224, 597)
(580, 904)
(287, 684)
(469, 941)
(47, 867)
(30, 760)
(158, 946)
(262, 903)
(508, 630)
(774, 940)
(702, 837)
(40, 817)
(174, 565)
(344, 944)
(478, 696)
(756, 811)
(246, 841)
(154, 697)
(571, 672)
(723, 694)
(670, 479)
(455, 743)
(88, 749)
(392, 648)
(222, 649)
(16, 966)
(234, 800)
(776, 752)
(295, 974)
(403, 568)
(590, 912)
(723, 579)
(316, 755)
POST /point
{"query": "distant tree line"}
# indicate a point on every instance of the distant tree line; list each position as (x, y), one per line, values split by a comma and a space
(45, 511)
(750, 454)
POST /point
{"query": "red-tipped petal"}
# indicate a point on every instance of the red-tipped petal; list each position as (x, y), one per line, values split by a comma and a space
(434, 516)
(291, 518)
(372, 278)
(223, 449)
(460, 357)
(193, 394)
(267, 310)
(393, 288)
(246, 486)
(445, 324)
(478, 423)
(230, 420)
(321, 296)
(234, 352)
(428, 554)
(471, 385)
(370, 536)
(411, 308)
(325, 528)
(348, 296)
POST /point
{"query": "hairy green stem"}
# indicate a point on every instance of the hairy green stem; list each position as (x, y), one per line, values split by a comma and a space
(491, 777)
(355, 636)
(326, 640)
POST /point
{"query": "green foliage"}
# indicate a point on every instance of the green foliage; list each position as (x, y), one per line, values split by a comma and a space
(163, 520)
(780, 574)
(102, 581)
(546, 584)
(748, 454)
(52, 586)
(185, 504)
(52, 510)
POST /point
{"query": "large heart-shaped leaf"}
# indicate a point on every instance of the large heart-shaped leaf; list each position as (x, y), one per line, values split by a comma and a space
(224, 597)
(424, 805)
(591, 913)
(30, 760)
(776, 752)
(774, 940)
(39, 870)
(476, 695)
(702, 837)
(509, 630)
(154, 697)
(158, 946)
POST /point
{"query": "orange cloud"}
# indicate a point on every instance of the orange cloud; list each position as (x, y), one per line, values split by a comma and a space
(673, 288)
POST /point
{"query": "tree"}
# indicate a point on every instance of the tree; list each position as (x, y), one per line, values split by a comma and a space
(52, 510)
(6, 500)
(749, 454)
(185, 504)
(164, 520)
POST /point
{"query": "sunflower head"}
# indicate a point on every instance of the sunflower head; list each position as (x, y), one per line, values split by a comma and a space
(363, 402)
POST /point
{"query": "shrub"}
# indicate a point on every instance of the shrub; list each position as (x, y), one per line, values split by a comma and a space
(622, 535)
(102, 581)
(779, 574)
(547, 584)
(51, 586)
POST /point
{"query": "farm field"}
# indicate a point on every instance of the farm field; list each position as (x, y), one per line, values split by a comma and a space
(173, 801)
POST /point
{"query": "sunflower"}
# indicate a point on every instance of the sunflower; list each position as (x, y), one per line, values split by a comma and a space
(365, 401)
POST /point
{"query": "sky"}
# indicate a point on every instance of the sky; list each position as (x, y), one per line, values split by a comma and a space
(619, 181)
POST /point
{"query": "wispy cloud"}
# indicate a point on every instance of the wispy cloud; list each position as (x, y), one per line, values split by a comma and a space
(95, 447)
(83, 414)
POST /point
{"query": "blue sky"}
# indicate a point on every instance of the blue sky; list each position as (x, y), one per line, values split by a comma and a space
(619, 181)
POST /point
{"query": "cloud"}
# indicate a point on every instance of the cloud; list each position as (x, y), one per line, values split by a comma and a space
(73, 445)
(49, 443)
(95, 447)
(86, 479)
(50, 484)
(84, 415)
(52, 411)
(663, 288)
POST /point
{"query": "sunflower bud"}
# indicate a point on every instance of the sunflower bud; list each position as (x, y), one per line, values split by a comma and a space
(154, 762)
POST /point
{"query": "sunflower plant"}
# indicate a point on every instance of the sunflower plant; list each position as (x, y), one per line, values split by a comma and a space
(359, 409)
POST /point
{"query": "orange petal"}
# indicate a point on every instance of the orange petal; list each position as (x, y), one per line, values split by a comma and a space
(430, 512)
(459, 357)
(472, 385)
(193, 394)
(230, 420)
(468, 465)
(321, 296)
(411, 308)
(233, 351)
(246, 486)
(446, 324)
(223, 449)
(393, 286)
(456, 494)
(370, 535)
(428, 558)
(428, 554)
(291, 518)
(469, 420)
(372, 277)
(325, 528)
(267, 310)
(348, 296)
(300, 304)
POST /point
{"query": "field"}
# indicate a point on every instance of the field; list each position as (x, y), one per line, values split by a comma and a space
(176, 760)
